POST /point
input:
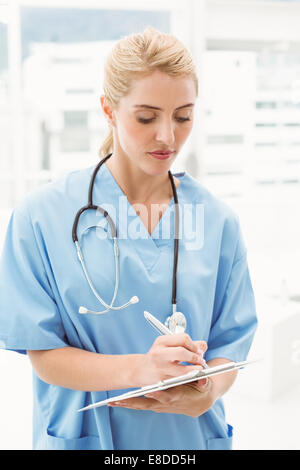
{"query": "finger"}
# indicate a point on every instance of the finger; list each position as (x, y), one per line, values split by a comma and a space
(180, 339)
(181, 354)
(201, 346)
(202, 385)
(136, 403)
(163, 397)
(177, 369)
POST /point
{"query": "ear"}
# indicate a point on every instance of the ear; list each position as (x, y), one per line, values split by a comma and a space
(107, 109)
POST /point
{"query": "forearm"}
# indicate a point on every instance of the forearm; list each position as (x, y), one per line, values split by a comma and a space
(78, 369)
(222, 382)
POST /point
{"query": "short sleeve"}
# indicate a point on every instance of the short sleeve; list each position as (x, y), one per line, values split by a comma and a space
(29, 317)
(234, 318)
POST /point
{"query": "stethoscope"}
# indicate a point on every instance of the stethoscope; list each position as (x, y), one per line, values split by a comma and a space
(177, 321)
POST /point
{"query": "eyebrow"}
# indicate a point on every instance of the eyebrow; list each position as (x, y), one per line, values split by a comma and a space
(160, 109)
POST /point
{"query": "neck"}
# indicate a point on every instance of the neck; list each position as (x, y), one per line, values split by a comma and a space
(136, 184)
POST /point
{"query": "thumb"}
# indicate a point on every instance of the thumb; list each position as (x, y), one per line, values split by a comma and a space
(203, 384)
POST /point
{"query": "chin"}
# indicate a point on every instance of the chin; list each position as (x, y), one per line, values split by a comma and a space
(156, 169)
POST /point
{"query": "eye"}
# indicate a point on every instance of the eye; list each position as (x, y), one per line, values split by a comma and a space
(183, 119)
(146, 121)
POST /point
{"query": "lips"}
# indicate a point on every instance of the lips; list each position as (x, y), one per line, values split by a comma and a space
(161, 155)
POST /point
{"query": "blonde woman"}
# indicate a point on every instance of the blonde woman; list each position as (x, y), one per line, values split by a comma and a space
(75, 283)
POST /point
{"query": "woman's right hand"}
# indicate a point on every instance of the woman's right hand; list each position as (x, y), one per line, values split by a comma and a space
(162, 361)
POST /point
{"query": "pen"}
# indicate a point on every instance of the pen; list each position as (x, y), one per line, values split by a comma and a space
(160, 327)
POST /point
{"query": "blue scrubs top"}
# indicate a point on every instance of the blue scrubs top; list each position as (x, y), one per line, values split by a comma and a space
(42, 285)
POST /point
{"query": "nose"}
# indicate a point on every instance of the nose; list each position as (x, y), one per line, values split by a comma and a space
(165, 132)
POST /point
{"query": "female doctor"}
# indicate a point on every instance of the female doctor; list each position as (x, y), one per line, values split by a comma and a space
(61, 266)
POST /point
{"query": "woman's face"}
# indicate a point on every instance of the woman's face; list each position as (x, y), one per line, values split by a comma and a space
(164, 124)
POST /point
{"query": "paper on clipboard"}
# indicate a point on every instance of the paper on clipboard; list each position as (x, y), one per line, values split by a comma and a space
(174, 382)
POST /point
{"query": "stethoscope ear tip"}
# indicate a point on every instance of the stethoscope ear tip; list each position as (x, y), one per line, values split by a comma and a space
(82, 310)
(134, 300)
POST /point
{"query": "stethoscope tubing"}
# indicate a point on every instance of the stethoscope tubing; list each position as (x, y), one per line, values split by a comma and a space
(91, 206)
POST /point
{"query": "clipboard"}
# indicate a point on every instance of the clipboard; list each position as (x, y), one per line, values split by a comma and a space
(173, 382)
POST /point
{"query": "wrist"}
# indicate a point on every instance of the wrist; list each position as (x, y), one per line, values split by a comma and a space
(135, 370)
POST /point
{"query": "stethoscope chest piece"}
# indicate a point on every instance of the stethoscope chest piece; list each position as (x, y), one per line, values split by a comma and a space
(176, 323)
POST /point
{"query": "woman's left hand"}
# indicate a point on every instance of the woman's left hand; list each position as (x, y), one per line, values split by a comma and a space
(192, 399)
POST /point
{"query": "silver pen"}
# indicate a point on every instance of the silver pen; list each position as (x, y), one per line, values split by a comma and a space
(161, 328)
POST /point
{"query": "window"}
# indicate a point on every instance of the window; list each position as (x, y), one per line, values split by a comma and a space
(62, 56)
(75, 135)
(266, 104)
(75, 119)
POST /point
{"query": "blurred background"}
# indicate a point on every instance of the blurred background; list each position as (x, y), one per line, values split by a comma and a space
(245, 148)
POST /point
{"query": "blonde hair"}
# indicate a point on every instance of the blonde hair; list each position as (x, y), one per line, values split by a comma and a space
(136, 56)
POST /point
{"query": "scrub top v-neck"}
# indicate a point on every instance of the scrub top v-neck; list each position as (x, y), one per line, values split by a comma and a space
(42, 286)
(146, 245)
